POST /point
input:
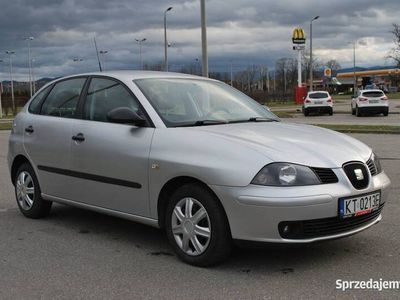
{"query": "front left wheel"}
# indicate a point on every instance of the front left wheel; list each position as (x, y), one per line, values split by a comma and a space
(197, 227)
(28, 193)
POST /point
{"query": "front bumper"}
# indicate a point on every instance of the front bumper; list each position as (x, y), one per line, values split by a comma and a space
(255, 212)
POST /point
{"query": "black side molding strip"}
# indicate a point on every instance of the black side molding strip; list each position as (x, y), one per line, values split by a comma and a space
(87, 176)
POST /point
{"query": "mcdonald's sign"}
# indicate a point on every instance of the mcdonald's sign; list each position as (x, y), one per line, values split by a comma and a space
(298, 36)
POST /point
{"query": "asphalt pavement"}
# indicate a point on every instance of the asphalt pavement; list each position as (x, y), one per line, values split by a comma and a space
(78, 254)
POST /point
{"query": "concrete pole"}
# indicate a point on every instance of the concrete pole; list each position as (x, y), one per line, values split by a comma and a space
(204, 38)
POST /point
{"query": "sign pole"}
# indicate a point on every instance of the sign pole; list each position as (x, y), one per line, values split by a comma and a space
(299, 68)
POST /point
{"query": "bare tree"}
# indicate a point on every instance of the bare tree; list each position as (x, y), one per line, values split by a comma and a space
(395, 51)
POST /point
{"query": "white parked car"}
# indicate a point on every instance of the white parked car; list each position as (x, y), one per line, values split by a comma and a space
(370, 101)
(318, 101)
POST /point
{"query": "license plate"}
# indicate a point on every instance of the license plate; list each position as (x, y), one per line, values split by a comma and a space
(359, 205)
(318, 102)
(373, 101)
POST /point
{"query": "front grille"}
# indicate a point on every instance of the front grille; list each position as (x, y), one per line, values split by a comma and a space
(325, 227)
(371, 167)
(357, 174)
(326, 175)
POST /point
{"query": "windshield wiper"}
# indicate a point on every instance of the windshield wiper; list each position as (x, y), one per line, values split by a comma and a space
(262, 119)
(256, 119)
(204, 122)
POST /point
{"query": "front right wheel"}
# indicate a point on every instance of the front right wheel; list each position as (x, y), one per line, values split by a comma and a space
(197, 227)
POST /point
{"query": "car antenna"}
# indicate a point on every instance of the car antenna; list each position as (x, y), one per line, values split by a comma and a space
(97, 53)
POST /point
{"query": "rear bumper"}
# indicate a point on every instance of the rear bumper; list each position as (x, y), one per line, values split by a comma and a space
(373, 109)
(320, 109)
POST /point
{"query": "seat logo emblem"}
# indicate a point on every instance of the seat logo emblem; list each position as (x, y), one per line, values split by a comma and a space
(359, 174)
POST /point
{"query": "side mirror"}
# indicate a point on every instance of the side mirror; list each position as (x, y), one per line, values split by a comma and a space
(125, 115)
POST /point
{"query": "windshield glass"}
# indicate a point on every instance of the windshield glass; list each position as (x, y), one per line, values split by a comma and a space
(185, 102)
(318, 95)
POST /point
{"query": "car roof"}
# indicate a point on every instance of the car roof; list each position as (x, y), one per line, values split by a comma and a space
(135, 74)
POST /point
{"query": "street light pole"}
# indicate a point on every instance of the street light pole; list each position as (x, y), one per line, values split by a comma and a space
(29, 39)
(140, 41)
(311, 62)
(33, 77)
(165, 40)
(231, 73)
(354, 69)
(10, 53)
(204, 38)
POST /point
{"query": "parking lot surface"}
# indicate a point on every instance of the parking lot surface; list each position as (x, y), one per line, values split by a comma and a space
(81, 254)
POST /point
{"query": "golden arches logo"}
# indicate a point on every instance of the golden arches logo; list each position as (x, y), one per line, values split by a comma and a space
(298, 37)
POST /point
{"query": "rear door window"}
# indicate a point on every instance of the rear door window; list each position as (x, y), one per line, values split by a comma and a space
(34, 106)
(63, 98)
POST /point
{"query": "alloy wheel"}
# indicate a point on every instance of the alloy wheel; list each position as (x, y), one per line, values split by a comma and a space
(191, 226)
(25, 190)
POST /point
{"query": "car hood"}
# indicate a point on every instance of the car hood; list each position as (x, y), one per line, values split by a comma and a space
(296, 143)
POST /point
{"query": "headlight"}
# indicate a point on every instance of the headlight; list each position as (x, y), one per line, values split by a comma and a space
(285, 174)
(377, 163)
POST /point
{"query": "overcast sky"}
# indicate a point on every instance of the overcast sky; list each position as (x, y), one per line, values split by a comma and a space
(245, 32)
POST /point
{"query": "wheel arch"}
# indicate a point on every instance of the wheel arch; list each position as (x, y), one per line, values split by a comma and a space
(17, 162)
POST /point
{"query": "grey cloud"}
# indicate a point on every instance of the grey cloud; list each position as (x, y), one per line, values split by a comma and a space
(246, 32)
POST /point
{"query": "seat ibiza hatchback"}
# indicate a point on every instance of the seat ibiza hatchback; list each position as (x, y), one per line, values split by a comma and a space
(194, 157)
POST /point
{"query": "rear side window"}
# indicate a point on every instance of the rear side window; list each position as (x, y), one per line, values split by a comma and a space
(318, 95)
(373, 94)
(63, 98)
(34, 106)
(104, 95)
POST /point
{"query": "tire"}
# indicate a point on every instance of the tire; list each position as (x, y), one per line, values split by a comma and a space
(386, 112)
(331, 112)
(306, 112)
(358, 112)
(353, 111)
(28, 193)
(213, 249)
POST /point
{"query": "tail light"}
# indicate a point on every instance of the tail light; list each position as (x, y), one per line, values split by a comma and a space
(330, 99)
(384, 98)
(307, 101)
(363, 99)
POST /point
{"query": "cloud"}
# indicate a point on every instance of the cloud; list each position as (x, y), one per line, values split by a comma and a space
(250, 32)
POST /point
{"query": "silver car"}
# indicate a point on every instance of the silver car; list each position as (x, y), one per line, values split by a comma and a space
(194, 157)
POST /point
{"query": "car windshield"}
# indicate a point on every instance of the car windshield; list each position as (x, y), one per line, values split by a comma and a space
(373, 94)
(196, 102)
(319, 95)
